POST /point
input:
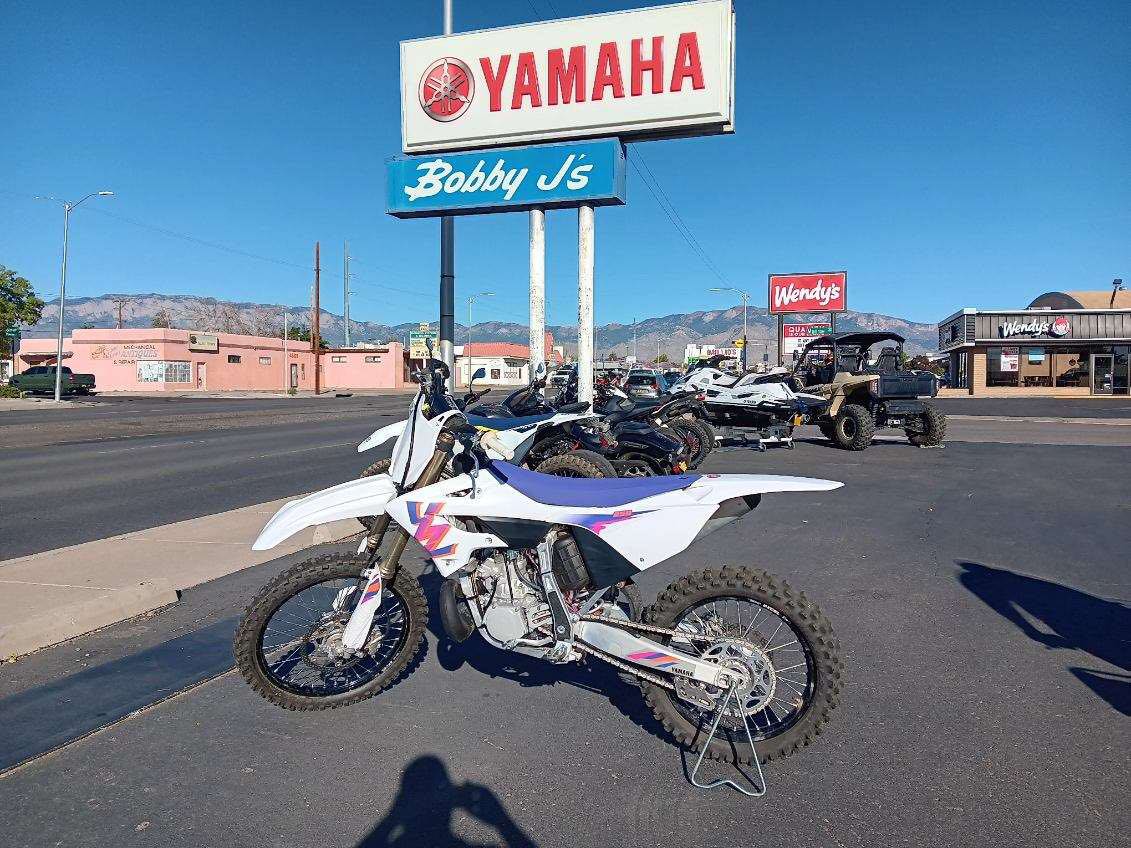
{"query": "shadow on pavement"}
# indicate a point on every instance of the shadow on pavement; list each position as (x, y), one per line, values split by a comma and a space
(425, 804)
(591, 676)
(1072, 619)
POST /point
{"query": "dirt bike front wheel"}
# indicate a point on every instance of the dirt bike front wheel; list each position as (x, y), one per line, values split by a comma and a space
(747, 619)
(288, 643)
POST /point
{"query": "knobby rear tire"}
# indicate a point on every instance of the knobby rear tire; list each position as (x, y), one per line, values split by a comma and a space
(294, 580)
(934, 429)
(580, 463)
(803, 616)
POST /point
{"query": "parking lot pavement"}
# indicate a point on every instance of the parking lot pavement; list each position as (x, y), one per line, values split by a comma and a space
(980, 593)
(1038, 407)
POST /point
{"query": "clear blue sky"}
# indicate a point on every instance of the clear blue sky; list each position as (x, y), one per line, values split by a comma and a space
(946, 154)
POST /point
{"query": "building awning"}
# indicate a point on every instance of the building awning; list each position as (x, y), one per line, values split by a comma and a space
(40, 358)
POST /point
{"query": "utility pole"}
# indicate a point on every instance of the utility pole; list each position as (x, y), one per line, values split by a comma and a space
(448, 262)
(120, 302)
(315, 319)
(286, 366)
(346, 288)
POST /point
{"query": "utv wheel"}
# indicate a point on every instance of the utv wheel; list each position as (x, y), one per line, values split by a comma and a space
(581, 463)
(934, 429)
(284, 641)
(730, 604)
(853, 428)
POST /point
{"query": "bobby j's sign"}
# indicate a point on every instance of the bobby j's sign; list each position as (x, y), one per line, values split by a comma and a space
(508, 179)
(658, 72)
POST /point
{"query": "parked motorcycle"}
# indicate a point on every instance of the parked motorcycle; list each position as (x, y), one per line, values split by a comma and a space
(732, 661)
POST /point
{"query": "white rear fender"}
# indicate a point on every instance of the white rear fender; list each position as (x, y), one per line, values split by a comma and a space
(379, 437)
(716, 488)
(367, 496)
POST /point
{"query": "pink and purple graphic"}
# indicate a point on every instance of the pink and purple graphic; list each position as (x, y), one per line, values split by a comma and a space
(656, 659)
(600, 520)
(430, 528)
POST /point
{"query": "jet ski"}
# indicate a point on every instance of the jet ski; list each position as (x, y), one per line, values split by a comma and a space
(763, 405)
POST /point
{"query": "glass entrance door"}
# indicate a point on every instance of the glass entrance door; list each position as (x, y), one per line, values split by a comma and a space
(1103, 366)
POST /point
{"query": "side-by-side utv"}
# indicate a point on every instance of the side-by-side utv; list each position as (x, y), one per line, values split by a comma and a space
(866, 392)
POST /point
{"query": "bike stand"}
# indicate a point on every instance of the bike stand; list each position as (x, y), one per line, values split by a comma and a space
(760, 786)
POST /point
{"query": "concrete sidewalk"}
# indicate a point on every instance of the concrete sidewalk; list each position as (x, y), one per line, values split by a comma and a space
(55, 595)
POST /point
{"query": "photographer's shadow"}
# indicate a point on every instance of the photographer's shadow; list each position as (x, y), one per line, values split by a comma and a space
(1069, 619)
(427, 801)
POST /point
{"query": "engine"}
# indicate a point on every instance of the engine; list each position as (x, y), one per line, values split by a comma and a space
(509, 587)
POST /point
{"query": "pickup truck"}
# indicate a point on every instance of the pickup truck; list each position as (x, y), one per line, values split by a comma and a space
(41, 378)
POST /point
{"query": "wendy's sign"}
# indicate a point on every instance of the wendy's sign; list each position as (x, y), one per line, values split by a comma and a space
(659, 72)
(507, 179)
(808, 292)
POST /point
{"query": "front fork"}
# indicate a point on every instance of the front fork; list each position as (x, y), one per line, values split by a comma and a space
(383, 570)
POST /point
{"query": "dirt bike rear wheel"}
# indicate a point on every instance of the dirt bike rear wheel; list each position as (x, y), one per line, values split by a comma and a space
(781, 627)
(286, 641)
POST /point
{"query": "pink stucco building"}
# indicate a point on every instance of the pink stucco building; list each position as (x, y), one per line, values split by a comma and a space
(184, 360)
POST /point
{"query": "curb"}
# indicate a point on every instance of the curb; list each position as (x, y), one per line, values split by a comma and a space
(81, 617)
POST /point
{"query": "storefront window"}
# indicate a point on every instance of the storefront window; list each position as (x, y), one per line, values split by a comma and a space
(1035, 368)
(1002, 365)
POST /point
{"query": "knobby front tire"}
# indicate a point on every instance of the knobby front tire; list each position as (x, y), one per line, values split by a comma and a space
(404, 591)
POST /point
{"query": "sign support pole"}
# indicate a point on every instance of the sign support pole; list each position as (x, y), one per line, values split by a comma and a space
(448, 265)
(781, 339)
(585, 267)
(537, 288)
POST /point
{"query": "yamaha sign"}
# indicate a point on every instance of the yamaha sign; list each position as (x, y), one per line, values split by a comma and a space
(661, 72)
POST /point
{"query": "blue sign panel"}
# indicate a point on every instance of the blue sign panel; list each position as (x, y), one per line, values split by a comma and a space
(507, 179)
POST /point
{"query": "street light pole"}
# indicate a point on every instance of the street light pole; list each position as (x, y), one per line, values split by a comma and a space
(67, 207)
(470, 361)
(745, 306)
(448, 262)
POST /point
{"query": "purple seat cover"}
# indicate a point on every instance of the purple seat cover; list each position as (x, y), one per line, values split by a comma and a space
(582, 492)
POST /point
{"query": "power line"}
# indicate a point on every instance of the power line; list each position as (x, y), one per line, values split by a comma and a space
(669, 210)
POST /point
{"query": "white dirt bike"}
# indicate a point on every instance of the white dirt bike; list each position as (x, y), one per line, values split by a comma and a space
(733, 662)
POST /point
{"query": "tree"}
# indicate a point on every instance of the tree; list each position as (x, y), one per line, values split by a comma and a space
(18, 304)
(663, 357)
(300, 333)
(162, 319)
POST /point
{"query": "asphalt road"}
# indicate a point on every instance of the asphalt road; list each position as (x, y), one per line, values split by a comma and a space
(980, 593)
(117, 466)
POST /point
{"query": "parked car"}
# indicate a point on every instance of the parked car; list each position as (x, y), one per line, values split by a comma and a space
(560, 377)
(645, 384)
(41, 379)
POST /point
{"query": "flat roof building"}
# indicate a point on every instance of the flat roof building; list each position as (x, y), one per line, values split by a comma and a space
(1063, 343)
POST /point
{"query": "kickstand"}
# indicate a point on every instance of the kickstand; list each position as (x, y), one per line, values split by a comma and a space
(760, 786)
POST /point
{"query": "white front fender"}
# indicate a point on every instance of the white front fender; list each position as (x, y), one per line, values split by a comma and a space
(367, 496)
(379, 437)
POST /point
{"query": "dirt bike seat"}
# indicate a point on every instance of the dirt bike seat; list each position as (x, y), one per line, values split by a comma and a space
(500, 423)
(583, 492)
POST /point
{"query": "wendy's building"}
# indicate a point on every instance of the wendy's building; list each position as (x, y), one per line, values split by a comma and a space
(1063, 343)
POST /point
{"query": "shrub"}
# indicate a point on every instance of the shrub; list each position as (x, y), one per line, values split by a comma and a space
(10, 392)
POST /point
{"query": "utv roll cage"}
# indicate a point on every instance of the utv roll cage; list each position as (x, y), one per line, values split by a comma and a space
(848, 352)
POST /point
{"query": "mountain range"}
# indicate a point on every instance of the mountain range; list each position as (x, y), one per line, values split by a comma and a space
(669, 334)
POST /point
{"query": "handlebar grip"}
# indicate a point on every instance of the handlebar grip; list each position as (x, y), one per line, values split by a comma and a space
(490, 441)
